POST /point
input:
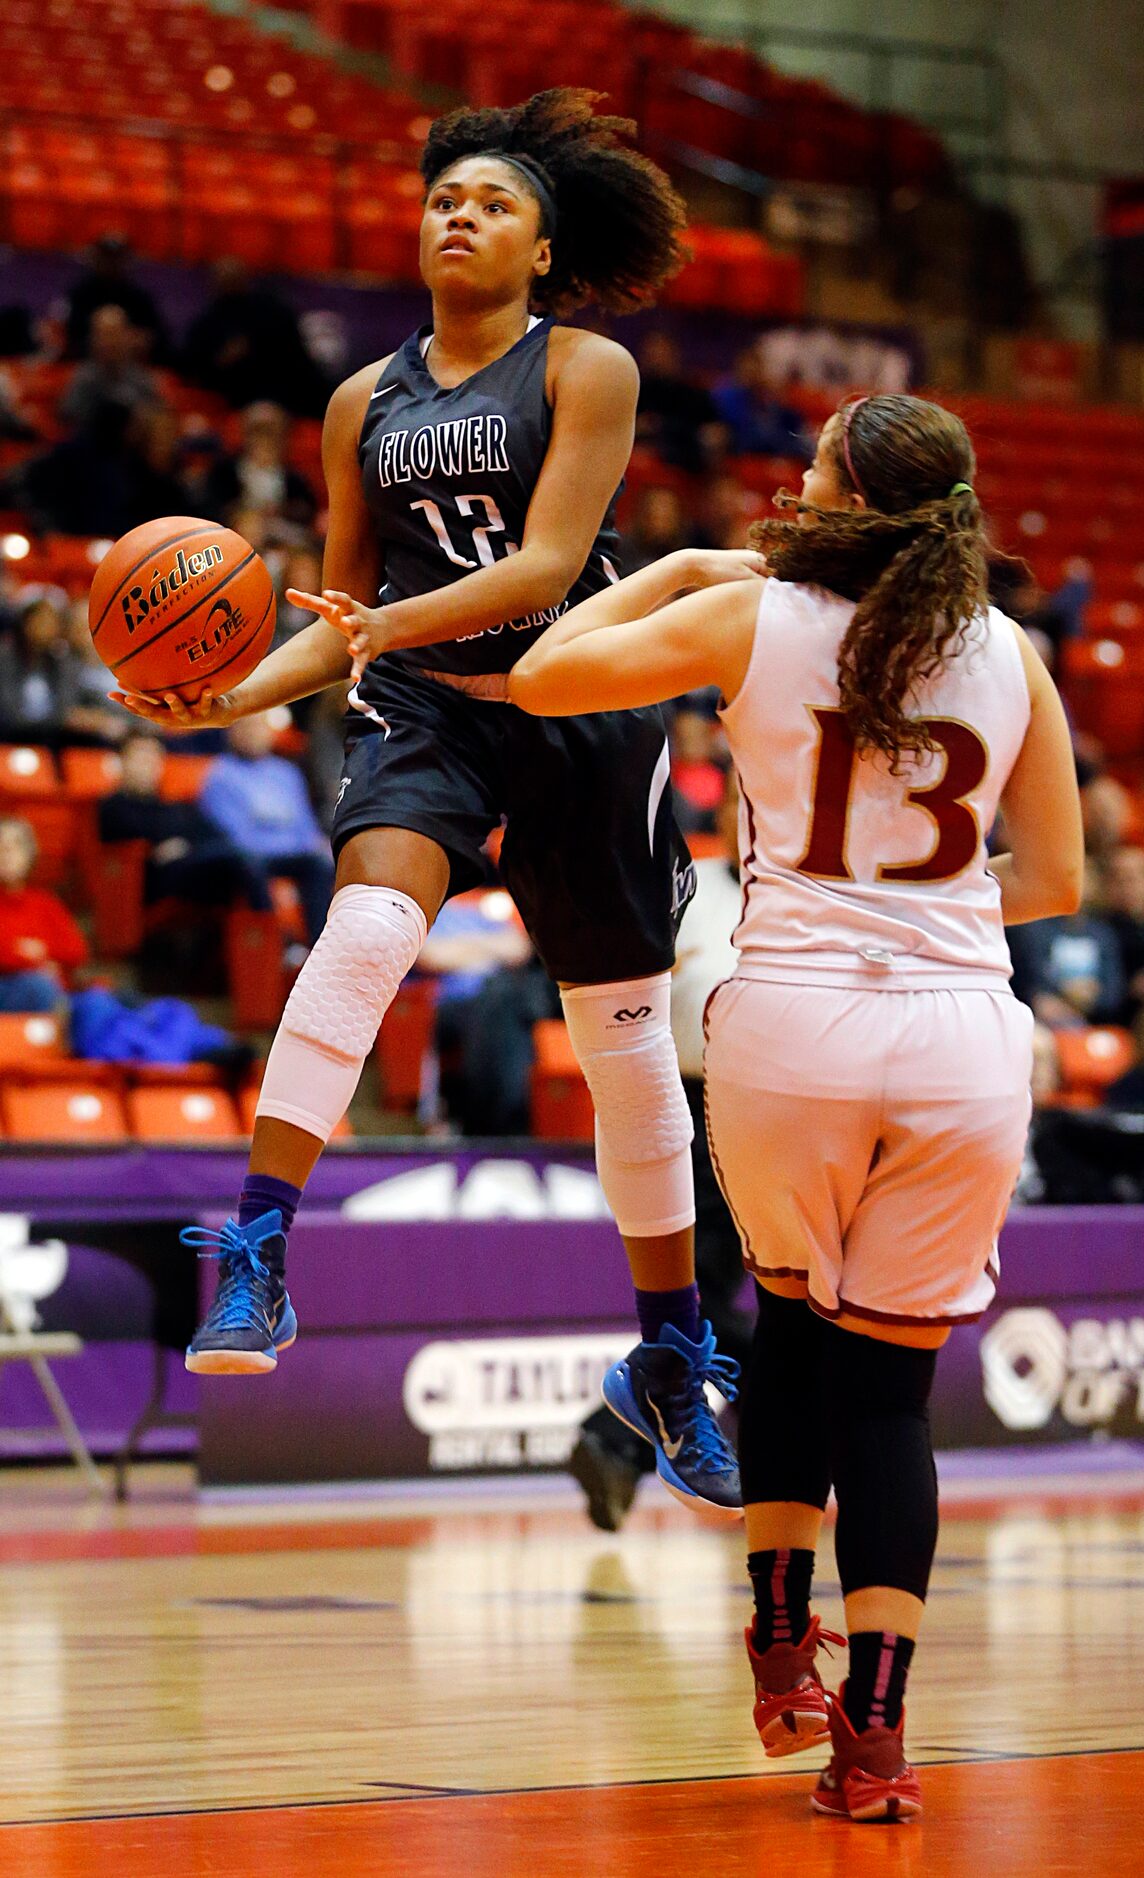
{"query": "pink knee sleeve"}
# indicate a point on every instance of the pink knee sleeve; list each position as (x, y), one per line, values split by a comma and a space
(371, 938)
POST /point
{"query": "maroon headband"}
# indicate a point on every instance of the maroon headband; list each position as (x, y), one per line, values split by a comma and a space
(846, 422)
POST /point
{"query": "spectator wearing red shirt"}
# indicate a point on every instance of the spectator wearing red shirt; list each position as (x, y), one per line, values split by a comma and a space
(40, 943)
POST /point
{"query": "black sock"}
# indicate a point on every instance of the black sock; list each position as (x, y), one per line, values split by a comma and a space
(876, 1685)
(781, 1581)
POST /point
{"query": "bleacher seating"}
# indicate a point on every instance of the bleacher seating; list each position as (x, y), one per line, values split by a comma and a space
(197, 135)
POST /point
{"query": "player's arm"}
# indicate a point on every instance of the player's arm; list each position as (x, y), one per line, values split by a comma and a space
(1043, 874)
(318, 655)
(703, 639)
(594, 392)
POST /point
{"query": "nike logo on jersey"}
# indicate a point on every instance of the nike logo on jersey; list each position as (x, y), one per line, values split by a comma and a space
(342, 787)
(670, 1448)
(382, 392)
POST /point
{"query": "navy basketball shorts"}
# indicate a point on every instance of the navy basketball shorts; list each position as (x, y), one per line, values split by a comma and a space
(591, 855)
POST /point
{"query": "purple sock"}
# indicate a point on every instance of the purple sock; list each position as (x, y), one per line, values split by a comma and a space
(261, 1193)
(657, 1308)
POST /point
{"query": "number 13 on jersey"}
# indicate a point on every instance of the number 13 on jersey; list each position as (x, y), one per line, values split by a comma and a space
(957, 833)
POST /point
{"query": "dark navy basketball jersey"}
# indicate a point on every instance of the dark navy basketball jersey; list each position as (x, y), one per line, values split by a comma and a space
(448, 476)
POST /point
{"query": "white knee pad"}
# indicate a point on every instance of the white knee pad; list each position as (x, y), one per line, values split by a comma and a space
(622, 1038)
(370, 940)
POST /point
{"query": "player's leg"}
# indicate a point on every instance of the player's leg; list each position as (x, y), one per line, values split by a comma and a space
(792, 1167)
(389, 887)
(882, 1463)
(591, 858)
(609, 1458)
(415, 806)
(919, 1256)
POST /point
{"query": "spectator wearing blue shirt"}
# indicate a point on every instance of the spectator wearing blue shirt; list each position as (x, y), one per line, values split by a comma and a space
(759, 423)
(260, 802)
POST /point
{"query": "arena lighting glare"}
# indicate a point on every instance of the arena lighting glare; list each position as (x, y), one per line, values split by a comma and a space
(15, 547)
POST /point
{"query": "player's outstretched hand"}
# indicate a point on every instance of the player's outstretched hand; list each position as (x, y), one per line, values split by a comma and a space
(170, 712)
(360, 624)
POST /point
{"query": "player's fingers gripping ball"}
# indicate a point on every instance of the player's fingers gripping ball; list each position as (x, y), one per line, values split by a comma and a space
(180, 604)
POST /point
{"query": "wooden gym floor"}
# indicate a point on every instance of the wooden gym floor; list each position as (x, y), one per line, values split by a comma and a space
(495, 1689)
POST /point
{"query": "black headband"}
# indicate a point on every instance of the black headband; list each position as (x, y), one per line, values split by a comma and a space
(532, 176)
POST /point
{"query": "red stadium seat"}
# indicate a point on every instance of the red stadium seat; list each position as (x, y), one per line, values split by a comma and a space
(561, 1107)
(403, 1042)
(65, 1111)
(179, 1113)
(1093, 1057)
(28, 1042)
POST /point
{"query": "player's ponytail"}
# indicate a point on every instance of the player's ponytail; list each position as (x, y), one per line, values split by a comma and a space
(616, 233)
(914, 559)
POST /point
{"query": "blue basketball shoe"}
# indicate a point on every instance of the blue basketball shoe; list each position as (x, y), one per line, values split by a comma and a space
(252, 1317)
(658, 1390)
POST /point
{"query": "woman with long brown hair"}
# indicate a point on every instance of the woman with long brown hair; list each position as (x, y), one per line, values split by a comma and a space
(867, 1065)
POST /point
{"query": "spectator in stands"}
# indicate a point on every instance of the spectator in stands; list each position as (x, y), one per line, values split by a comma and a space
(108, 282)
(1105, 804)
(491, 990)
(259, 800)
(723, 514)
(758, 421)
(153, 466)
(40, 943)
(659, 527)
(246, 344)
(698, 780)
(82, 485)
(93, 711)
(112, 379)
(301, 569)
(1124, 911)
(258, 476)
(44, 693)
(15, 424)
(1055, 616)
(1069, 970)
(190, 858)
(675, 417)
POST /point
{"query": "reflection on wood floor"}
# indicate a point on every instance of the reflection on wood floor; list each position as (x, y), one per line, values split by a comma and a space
(445, 1688)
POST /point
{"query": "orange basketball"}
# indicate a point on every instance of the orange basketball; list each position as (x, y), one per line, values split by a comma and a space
(181, 603)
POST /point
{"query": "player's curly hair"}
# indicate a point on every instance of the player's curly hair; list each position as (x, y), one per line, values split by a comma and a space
(914, 559)
(619, 221)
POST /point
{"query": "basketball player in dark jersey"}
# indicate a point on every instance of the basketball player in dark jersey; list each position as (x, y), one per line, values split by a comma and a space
(472, 481)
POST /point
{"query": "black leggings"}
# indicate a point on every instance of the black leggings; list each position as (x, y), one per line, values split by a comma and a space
(823, 1405)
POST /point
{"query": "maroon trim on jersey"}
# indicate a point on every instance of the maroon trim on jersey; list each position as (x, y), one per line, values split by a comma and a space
(895, 1317)
(773, 1271)
(748, 877)
(743, 1239)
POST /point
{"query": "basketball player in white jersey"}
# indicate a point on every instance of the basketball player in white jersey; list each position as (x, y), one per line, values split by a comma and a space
(867, 1065)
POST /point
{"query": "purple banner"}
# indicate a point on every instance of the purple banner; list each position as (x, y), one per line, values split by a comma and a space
(458, 1309)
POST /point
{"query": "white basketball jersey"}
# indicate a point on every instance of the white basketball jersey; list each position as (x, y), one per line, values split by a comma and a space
(852, 875)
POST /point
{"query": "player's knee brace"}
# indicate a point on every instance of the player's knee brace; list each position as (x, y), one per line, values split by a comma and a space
(621, 1034)
(882, 1462)
(784, 1423)
(371, 938)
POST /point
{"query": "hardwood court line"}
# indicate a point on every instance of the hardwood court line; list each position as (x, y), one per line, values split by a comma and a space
(1047, 1818)
(187, 1538)
(406, 1791)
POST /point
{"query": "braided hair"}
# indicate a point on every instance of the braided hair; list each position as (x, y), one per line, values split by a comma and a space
(619, 221)
(914, 559)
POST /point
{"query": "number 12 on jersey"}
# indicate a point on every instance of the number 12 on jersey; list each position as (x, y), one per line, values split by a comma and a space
(493, 524)
(957, 833)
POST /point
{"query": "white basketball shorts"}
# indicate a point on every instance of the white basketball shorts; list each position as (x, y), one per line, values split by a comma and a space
(869, 1141)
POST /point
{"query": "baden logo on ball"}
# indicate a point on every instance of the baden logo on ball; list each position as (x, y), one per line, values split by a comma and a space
(179, 604)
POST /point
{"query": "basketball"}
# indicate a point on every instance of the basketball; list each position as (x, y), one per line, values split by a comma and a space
(181, 603)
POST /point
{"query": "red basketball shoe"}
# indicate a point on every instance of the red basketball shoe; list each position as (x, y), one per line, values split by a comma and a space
(790, 1701)
(868, 1776)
